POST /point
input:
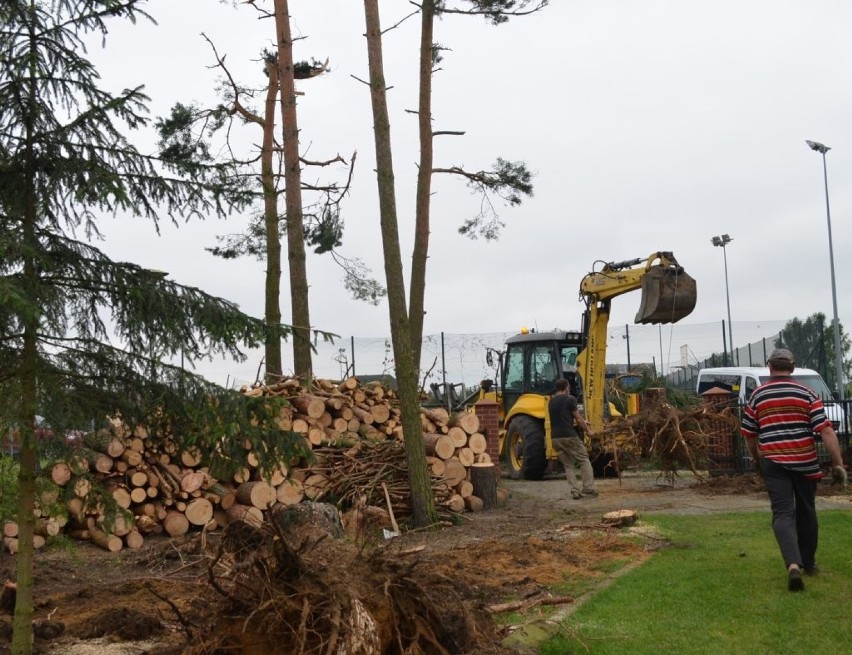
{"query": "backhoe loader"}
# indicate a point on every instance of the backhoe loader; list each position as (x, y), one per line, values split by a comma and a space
(533, 361)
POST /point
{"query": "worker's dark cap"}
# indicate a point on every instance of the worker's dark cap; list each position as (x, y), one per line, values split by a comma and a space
(781, 356)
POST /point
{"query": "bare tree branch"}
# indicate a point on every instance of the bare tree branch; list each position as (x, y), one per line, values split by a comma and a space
(498, 11)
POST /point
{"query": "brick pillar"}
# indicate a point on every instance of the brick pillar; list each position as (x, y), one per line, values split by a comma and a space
(488, 413)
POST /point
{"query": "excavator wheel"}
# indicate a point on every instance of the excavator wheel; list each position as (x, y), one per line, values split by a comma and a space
(524, 448)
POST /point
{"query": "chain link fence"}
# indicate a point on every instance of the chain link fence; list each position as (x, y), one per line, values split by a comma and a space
(675, 351)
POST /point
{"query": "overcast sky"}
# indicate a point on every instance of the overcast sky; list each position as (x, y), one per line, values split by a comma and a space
(651, 125)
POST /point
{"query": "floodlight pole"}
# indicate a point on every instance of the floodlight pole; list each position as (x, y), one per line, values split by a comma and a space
(722, 242)
(838, 355)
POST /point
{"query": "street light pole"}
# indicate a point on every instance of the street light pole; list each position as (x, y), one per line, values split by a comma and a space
(723, 241)
(838, 355)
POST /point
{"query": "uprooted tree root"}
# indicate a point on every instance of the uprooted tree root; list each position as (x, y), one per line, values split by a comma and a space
(327, 597)
(675, 438)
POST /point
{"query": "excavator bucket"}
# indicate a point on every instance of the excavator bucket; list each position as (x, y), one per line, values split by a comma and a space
(668, 294)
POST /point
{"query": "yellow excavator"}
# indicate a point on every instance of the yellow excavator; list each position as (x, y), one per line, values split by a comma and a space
(532, 361)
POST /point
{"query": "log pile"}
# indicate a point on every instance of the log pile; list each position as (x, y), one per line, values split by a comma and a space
(355, 433)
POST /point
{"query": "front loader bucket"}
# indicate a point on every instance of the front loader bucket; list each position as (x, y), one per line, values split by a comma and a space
(668, 294)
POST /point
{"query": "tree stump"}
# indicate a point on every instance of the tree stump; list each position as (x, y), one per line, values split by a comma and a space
(484, 483)
(307, 521)
(620, 518)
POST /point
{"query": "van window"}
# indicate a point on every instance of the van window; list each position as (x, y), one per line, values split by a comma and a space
(750, 386)
(707, 381)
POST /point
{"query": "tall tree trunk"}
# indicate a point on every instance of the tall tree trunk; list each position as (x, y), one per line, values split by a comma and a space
(420, 253)
(301, 318)
(272, 313)
(422, 500)
(22, 626)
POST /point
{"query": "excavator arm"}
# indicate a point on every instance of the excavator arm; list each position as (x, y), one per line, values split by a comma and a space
(668, 295)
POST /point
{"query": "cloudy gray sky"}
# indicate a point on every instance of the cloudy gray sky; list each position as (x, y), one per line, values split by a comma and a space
(651, 125)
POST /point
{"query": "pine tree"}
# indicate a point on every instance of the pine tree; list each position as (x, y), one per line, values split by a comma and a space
(187, 133)
(81, 336)
(508, 180)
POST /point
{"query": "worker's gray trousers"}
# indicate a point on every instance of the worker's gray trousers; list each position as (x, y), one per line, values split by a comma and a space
(573, 455)
(794, 519)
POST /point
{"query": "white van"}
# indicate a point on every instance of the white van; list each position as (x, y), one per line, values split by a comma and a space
(743, 380)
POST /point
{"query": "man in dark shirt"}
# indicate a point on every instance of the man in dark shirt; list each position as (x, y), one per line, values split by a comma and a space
(569, 446)
(779, 423)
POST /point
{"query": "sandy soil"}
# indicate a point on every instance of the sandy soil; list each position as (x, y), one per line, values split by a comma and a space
(152, 600)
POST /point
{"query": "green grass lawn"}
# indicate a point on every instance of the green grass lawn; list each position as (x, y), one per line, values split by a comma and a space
(721, 588)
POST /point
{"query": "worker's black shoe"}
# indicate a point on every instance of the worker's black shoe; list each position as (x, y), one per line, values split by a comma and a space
(812, 570)
(794, 580)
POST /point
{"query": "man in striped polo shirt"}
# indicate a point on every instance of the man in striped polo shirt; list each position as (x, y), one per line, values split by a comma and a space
(779, 424)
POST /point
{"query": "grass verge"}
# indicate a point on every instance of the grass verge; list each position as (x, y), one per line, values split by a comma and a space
(720, 588)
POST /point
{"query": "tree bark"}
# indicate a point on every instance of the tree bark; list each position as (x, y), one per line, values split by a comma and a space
(420, 252)
(22, 634)
(422, 499)
(301, 318)
(272, 291)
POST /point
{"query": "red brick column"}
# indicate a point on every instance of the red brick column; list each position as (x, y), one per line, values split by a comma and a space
(488, 413)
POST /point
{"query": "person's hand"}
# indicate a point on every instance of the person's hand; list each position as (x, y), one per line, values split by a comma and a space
(838, 476)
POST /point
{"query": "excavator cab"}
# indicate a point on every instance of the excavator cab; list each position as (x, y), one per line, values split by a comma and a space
(531, 364)
(668, 295)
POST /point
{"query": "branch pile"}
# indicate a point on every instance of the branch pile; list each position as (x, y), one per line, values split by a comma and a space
(674, 437)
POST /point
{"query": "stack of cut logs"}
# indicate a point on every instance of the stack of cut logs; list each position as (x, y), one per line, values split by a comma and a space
(355, 432)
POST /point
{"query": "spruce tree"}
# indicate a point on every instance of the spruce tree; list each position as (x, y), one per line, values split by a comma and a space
(82, 336)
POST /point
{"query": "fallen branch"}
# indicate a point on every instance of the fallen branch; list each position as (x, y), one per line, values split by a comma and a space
(530, 602)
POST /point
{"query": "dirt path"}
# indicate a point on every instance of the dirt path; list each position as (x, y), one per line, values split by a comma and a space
(649, 492)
